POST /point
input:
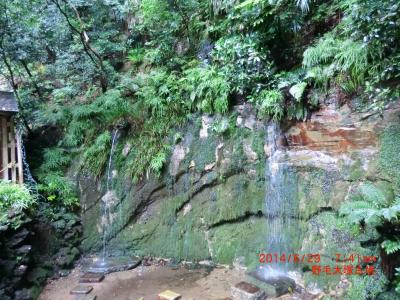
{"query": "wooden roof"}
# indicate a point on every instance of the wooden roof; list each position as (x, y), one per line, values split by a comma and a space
(7, 102)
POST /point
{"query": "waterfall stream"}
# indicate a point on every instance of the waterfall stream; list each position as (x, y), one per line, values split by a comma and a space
(105, 263)
(108, 198)
(281, 206)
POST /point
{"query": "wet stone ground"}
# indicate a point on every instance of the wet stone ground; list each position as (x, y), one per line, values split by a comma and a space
(146, 282)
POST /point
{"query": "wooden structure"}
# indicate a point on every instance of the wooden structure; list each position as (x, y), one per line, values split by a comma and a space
(10, 143)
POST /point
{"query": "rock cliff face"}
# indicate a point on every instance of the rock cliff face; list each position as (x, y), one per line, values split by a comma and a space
(33, 248)
(210, 201)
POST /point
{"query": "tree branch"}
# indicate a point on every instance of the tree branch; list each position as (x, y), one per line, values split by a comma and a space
(84, 38)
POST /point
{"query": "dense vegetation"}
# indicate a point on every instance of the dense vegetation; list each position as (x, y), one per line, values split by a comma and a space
(146, 66)
(14, 198)
(90, 66)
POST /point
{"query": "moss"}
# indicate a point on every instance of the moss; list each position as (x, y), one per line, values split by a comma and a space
(91, 238)
(316, 188)
(175, 233)
(170, 206)
(181, 241)
(389, 160)
(245, 239)
(258, 143)
(366, 287)
(202, 152)
(167, 234)
(234, 151)
(356, 171)
(235, 198)
(328, 235)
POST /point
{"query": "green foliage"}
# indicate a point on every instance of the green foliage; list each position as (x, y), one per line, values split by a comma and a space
(245, 63)
(270, 103)
(360, 53)
(397, 281)
(207, 89)
(95, 156)
(391, 246)
(157, 162)
(389, 160)
(136, 55)
(366, 287)
(371, 207)
(53, 184)
(14, 197)
(58, 189)
(334, 57)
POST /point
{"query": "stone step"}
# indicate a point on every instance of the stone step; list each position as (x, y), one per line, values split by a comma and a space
(246, 291)
(168, 295)
(91, 277)
(81, 290)
(86, 297)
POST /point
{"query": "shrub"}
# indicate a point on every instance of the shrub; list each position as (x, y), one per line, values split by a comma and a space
(14, 196)
(245, 63)
(207, 89)
(269, 103)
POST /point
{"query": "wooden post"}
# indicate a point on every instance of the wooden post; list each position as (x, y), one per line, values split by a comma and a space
(12, 150)
(19, 155)
(4, 136)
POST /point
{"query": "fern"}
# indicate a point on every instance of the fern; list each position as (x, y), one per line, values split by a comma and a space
(322, 53)
(57, 188)
(373, 208)
(304, 5)
(207, 89)
(358, 211)
(391, 246)
(297, 90)
(54, 159)
(372, 195)
(352, 57)
(157, 162)
(332, 56)
(269, 103)
(136, 55)
(95, 157)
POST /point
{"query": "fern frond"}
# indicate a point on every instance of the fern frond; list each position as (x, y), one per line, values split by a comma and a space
(54, 159)
(358, 211)
(372, 195)
(391, 246)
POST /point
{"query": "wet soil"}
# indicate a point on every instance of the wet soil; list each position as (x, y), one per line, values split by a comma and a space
(148, 282)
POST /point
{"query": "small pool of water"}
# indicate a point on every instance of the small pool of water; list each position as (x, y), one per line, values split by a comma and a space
(109, 264)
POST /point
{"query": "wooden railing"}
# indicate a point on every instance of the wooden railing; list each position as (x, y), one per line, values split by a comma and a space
(11, 155)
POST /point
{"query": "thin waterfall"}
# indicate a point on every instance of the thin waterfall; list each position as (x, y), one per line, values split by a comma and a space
(29, 181)
(281, 206)
(105, 263)
(108, 197)
(26, 169)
